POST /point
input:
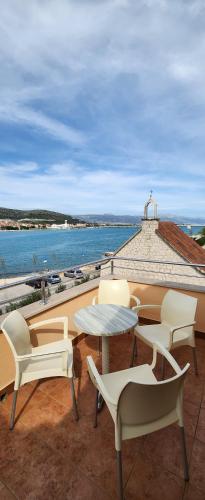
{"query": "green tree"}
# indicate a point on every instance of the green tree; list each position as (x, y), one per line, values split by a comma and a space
(201, 241)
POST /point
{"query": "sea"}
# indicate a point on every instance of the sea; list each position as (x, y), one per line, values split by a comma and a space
(23, 252)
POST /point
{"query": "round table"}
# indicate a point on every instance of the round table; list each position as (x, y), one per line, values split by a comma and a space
(105, 320)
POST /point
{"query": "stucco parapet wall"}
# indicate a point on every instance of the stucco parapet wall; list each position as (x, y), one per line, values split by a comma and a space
(56, 299)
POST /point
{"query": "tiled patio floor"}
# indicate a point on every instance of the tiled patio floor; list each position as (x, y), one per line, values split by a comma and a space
(50, 456)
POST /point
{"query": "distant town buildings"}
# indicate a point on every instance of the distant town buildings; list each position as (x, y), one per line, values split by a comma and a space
(6, 224)
(66, 225)
(18, 225)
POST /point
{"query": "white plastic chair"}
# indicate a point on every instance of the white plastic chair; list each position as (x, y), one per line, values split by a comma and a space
(32, 363)
(176, 326)
(139, 404)
(115, 292)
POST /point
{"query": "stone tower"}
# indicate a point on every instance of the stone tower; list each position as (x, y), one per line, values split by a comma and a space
(151, 201)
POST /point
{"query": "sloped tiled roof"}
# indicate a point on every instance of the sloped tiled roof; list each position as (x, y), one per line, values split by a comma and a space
(181, 243)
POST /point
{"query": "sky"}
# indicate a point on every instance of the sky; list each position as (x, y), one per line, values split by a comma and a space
(102, 101)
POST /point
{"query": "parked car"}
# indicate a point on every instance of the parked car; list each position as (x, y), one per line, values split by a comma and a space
(79, 273)
(36, 283)
(74, 273)
(54, 278)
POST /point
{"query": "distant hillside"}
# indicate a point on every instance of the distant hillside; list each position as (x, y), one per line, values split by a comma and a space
(111, 219)
(59, 218)
(137, 219)
(37, 215)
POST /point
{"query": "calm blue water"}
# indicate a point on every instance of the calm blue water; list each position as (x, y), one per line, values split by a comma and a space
(25, 251)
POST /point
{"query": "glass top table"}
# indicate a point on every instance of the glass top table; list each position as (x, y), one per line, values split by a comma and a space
(105, 320)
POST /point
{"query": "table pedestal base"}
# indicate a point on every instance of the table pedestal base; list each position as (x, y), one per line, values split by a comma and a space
(105, 355)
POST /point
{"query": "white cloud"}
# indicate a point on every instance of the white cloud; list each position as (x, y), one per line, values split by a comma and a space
(19, 168)
(22, 114)
(72, 189)
(121, 85)
(184, 72)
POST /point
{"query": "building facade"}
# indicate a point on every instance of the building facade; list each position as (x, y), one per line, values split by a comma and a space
(164, 242)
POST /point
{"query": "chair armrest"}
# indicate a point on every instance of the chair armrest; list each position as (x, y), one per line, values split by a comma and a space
(98, 382)
(137, 301)
(158, 347)
(60, 319)
(146, 306)
(94, 301)
(31, 356)
(179, 327)
(154, 357)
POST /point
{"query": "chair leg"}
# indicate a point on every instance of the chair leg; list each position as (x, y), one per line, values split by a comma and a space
(119, 474)
(13, 409)
(75, 408)
(185, 461)
(74, 374)
(163, 367)
(96, 409)
(134, 350)
(195, 360)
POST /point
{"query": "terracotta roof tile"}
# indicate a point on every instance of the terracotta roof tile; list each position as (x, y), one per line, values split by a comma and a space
(181, 242)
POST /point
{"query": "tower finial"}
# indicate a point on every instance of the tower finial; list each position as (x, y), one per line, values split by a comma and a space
(152, 202)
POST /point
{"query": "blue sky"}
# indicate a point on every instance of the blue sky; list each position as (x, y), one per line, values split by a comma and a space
(102, 101)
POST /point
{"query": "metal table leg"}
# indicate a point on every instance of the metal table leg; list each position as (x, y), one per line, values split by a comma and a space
(105, 355)
(105, 366)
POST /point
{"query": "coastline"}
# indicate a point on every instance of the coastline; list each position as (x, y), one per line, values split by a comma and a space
(99, 226)
(27, 253)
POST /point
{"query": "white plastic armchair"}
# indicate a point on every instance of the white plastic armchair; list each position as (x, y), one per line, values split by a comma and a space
(115, 292)
(139, 404)
(60, 319)
(176, 326)
(32, 363)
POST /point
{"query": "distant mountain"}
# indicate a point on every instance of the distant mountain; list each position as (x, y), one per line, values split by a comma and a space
(137, 219)
(111, 219)
(38, 216)
(182, 219)
(59, 218)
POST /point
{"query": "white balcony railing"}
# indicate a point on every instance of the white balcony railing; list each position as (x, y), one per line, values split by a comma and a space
(135, 269)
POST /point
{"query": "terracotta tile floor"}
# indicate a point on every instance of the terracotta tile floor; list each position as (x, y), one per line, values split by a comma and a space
(50, 456)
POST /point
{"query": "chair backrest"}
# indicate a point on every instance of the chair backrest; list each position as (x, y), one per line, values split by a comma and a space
(141, 404)
(114, 292)
(17, 333)
(178, 308)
